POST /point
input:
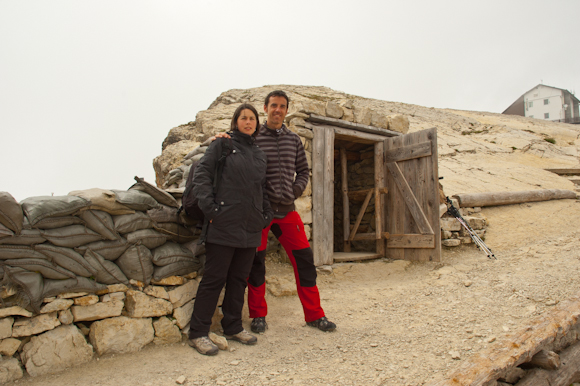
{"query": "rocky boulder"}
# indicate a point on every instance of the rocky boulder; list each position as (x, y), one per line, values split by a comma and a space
(55, 351)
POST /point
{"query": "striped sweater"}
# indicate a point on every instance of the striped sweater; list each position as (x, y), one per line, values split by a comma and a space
(287, 171)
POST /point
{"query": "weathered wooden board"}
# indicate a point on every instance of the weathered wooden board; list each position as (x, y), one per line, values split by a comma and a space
(408, 152)
(564, 172)
(552, 331)
(470, 200)
(354, 256)
(411, 241)
(352, 125)
(412, 204)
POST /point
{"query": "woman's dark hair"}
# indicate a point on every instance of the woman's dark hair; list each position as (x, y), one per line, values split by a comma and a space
(277, 93)
(238, 112)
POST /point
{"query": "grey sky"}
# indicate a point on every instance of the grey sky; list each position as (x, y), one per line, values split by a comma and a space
(89, 89)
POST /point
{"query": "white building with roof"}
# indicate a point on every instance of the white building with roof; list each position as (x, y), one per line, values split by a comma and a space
(548, 103)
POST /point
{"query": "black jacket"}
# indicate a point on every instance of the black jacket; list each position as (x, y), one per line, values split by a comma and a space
(240, 209)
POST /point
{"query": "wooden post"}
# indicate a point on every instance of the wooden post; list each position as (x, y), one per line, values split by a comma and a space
(345, 200)
(379, 199)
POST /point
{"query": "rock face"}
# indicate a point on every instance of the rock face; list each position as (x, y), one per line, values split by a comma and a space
(478, 151)
(121, 335)
(55, 351)
(139, 305)
(10, 370)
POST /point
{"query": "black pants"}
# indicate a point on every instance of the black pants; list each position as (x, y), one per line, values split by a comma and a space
(224, 265)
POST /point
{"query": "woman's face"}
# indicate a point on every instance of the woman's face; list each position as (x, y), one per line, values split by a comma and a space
(247, 122)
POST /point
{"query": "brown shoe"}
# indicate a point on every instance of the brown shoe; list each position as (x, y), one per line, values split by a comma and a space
(243, 337)
(204, 345)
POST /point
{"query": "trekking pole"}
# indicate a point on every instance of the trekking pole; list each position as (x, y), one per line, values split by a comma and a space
(453, 211)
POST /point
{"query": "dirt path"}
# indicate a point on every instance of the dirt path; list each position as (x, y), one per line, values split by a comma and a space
(398, 323)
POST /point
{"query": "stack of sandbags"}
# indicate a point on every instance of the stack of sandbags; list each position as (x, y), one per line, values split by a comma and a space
(91, 238)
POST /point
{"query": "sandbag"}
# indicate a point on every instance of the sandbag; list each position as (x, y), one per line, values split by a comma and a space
(29, 287)
(175, 232)
(80, 284)
(159, 195)
(11, 215)
(131, 222)
(102, 199)
(71, 236)
(101, 222)
(19, 252)
(136, 199)
(46, 268)
(38, 208)
(176, 269)
(147, 237)
(164, 213)
(136, 263)
(56, 222)
(170, 253)
(195, 247)
(26, 237)
(5, 232)
(110, 250)
(68, 259)
(107, 271)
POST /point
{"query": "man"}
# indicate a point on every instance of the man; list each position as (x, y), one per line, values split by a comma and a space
(287, 175)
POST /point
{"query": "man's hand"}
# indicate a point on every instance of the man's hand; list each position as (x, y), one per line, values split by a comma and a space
(220, 135)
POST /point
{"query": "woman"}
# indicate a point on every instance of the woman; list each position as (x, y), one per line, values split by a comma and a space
(237, 212)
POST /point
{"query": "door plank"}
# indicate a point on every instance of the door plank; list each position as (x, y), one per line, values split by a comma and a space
(408, 152)
(411, 241)
(410, 199)
(360, 215)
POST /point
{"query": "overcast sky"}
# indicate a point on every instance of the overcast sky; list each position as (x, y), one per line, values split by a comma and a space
(89, 89)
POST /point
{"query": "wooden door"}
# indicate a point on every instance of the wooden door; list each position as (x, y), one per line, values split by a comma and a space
(412, 204)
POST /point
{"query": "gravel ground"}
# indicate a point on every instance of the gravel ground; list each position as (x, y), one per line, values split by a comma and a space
(399, 323)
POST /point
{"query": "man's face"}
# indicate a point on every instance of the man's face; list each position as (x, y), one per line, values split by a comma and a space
(276, 110)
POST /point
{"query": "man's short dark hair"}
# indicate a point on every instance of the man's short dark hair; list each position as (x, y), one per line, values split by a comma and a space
(277, 93)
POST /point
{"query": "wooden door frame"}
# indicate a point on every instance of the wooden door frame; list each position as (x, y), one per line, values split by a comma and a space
(323, 181)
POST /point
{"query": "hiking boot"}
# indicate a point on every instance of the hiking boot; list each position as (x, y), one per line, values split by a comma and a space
(259, 325)
(323, 324)
(243, 337)
(204, 345)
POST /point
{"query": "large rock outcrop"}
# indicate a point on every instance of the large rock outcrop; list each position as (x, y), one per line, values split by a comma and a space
(478, 151)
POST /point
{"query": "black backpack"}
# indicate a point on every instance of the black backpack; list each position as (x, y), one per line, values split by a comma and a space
(189, 202)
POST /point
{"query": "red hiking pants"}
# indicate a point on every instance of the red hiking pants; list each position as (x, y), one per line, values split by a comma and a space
(290, 233)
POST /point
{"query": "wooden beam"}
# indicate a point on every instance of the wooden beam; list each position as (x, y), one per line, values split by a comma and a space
(411, 241)
(360, 215)
(470, 200)
(410, 199)
(567, 373)
(564, 172)
(380, 225)
(345, 201)
(351, 125)
(545, 359)
(354, 256)
(318, 195)
(409, 152)
(328, 210)
(371, 236)
(350, 155)
(361, 194)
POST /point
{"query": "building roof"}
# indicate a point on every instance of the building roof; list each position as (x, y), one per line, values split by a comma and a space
(514, 108)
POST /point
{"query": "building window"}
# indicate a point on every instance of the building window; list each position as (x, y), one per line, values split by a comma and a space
(546, 101)
(546, 115)
(530, 104)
